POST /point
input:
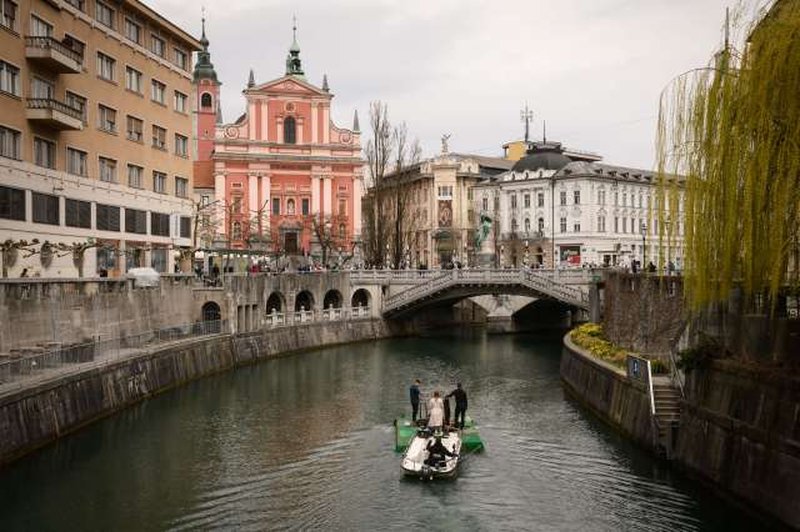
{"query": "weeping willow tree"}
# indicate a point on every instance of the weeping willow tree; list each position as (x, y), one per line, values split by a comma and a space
(733, 131)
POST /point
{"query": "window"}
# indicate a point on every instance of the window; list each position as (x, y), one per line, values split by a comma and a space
(276, 206)
(485, 204)
(237, 230)
(78, 4)
(44, 152)
(107, 119)
(133, 31)
(78, 214)
(40, 28)
(576, 227)
(601, 224)
(45, 209)
(134, 129)
(159, 224)
(104, 14)
(76, 162)
(135, 221)
(540, 199)
(105, 66)
(290, 206)
(9, 143)
(527, 225)
(640, 200)
(289, 130)
(180, 102)
(445, 192)
(181, 187)
(540, 225)
(185, 227)
(181, 59)
(9, 79)
(77, 102)
(563, 197)
(577, 197)
(159, 138)
(8, 11)
(158, 90)
(135, 175)
(342, 207)
(513, 201)
(181, 145)
(157, 45)
(526, 201)
(205, 100)
(12, 203)
(624, 199)
(514, 225)
(107, 217)
(108, 170)
(305, 206)
(616, 224)
(616, 199)
(159, 182)
(75, 45)
(42, 88)
(133, 80)
(601, 197)
(563, 225)
(624, 225)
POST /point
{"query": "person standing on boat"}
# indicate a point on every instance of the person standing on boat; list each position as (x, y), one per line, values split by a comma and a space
(414, 394)
(435, 411)
(437, 452)
(461, 405)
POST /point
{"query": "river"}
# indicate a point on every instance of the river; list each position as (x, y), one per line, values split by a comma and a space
(306, 442)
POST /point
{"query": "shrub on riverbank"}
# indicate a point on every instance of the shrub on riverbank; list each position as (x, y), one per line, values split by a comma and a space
(590, 336)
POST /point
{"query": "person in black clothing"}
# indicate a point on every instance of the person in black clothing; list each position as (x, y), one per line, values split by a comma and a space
(461, 405)
(414, 395)
(437, 452)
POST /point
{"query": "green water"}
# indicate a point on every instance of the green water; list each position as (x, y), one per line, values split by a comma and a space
(306, 442)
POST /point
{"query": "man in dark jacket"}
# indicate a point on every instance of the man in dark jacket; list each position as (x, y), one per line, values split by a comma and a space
(461, 405)
(414, 395)
(437, 452)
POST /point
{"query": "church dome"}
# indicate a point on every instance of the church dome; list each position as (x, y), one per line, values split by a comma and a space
(543, 156)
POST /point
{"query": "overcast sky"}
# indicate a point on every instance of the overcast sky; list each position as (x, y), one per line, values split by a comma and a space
(593, 69)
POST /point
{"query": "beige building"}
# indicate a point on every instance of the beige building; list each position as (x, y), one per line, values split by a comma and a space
(95, 122)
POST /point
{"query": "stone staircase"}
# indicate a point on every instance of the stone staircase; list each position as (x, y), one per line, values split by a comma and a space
(668, 411)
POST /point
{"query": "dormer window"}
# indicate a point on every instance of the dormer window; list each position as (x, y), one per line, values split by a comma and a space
(289, 131)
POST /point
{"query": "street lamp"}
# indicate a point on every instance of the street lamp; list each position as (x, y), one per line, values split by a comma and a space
(643, 229)
(502, 252)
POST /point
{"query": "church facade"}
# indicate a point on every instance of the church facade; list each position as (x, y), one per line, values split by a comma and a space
(282, 179)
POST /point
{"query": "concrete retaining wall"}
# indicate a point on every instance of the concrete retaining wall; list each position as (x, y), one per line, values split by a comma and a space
(607, 392)
(36, 416)
(740, 428)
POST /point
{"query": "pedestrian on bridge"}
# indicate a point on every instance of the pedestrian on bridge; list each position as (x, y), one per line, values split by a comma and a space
(461, 405)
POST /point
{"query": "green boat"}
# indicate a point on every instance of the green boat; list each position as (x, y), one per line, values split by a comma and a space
(405, 430)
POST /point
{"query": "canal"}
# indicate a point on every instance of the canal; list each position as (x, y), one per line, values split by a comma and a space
(306, 442)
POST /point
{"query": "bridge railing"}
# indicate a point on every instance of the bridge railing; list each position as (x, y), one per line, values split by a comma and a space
(566, 276)
(283, 319)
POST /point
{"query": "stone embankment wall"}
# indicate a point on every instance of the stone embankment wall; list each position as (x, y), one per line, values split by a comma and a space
(40, 414)
(607, 392)
(740, 428)
(643, 313)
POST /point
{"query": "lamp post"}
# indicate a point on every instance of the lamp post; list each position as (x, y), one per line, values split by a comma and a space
(643, 229)
(502, 252)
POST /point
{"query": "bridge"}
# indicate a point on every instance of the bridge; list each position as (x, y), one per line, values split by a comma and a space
(407, 290)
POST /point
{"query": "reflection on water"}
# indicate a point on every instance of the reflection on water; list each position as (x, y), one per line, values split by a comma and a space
(306, 442)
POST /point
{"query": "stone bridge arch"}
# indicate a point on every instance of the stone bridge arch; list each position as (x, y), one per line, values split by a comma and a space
(333, 299)
(276, 302)
(304, 300)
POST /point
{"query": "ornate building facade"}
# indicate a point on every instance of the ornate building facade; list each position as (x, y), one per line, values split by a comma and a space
(282, 179)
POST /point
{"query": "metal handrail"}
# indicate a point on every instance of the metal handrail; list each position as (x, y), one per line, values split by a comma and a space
(38, 41)
(51, 103)
(675, 374)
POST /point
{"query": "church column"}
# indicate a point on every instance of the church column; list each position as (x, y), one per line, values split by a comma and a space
(219, 197)
(251, 120)
(265, 201)
(264, 121)
(315, 190)
(314, 123)
(300, 126)
(356, 206)
(279, 130)
(326, 124)
(252, 195)
(327, 185)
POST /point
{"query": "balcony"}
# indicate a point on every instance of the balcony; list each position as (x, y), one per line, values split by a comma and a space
(53, 55)
(55, 114)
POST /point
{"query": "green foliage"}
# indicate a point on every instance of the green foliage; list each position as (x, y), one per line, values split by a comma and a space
(659, 367)
(699, 356)
(733, 129)
(590, 337)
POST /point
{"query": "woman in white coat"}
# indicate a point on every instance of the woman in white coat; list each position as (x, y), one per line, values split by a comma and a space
(435, 411)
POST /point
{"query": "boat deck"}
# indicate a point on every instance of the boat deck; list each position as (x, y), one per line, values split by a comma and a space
(404, 431)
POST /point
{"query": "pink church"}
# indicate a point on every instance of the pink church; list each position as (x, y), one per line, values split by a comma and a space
(287, 179)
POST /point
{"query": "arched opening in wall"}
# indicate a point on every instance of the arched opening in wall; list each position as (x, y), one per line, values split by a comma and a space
(304, 301)
(275, 303)
(206, 100)
(211, 317)
(333, 299)
(539, 255)
(289, 130)
(360, 298)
